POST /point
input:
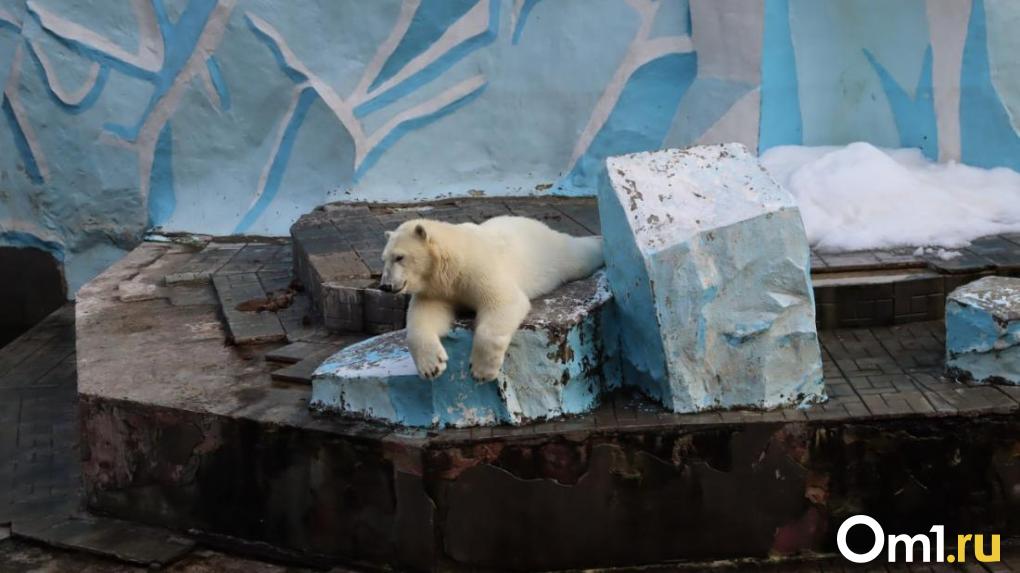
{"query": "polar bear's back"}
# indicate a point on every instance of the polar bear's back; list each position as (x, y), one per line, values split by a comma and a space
(541, 259)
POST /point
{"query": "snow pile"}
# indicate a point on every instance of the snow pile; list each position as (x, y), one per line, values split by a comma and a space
(863, 197)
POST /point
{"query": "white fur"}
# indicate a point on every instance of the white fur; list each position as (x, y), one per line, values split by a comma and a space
(494, 269)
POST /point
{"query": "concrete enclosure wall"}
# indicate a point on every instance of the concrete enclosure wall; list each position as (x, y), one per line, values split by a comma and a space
(236, 116)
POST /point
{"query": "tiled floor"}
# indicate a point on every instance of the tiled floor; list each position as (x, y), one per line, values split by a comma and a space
(39, 470)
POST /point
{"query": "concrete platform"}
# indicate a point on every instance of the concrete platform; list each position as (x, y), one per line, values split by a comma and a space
(184, 431)
(338, 250)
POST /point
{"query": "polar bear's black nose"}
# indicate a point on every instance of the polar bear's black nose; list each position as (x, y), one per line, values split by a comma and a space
(386, 287)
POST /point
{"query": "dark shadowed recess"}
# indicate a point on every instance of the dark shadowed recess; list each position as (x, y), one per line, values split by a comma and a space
(31, 287)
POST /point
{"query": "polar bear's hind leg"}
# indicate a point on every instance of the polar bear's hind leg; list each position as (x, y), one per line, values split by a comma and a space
(587, 257)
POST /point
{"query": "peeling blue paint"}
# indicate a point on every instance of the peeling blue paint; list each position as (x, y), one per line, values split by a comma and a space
(694, 316)
(550, 370)
(983, 330)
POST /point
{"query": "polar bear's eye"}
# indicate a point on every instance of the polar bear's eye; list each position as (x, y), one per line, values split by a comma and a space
(398, 258)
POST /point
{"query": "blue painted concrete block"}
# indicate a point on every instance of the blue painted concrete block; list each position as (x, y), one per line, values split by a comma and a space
(709, 266)
(554, 366)
(983, 331)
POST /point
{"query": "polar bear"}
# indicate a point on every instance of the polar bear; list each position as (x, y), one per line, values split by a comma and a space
(494, 269)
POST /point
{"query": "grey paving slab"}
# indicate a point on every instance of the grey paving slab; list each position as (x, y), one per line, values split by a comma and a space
(246, 327)
(848, 261)
(192, 294)
(967, 261)
(899, 258)
(1003, 253)
(201, 267)
(550, 215)
(585, 213)
(481, 211)
(252, 257)
(294, 352)
(301, 371)
(121, 540)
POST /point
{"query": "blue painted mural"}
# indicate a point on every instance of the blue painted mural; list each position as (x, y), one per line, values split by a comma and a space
(237, 116)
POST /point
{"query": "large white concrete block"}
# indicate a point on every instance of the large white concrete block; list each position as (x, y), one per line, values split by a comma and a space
(554, 366)
(710, 270)
(983, 331)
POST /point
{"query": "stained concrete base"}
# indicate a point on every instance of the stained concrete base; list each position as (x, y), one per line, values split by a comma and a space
(183, 431)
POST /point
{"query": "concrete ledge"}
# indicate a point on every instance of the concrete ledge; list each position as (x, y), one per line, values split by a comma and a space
(182, 431)
(553, 367)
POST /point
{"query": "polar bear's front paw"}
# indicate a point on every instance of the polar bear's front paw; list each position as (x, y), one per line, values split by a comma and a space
(430, 360)
(485, 366)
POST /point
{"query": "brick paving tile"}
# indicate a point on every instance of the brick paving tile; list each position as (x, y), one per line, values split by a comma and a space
(246, 327)
(39, 467)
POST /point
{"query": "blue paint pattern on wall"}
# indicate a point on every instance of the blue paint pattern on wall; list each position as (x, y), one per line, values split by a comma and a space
(640, 119)
(407, 126)
(21, 143)
(431, 19)
(512, 109)
(522, 18)
(180, 40)
(986, 135)
(216, 75)
(435, 69)
(162, 200)
(915, 116)
(90, 98)
(275, 178)
(780, 99)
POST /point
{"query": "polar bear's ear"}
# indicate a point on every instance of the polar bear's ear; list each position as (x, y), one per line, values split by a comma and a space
(420, 232)
(389, 234)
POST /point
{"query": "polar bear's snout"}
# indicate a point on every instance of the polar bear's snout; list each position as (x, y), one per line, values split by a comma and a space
(390, 280)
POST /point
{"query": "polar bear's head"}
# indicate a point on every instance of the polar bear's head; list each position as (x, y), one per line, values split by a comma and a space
(408, 258)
